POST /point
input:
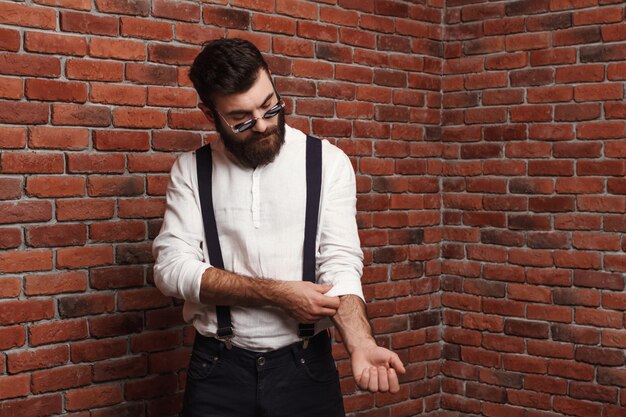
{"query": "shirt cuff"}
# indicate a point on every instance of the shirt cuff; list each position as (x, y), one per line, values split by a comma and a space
(191, 287)
(343, 284)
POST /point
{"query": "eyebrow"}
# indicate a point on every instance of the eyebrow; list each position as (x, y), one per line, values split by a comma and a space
(240, 112)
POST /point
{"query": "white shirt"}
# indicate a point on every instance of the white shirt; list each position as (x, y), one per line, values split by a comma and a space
(260, 221)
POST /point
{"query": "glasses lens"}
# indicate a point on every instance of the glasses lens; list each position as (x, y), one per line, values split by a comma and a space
(273, 111)
(242, 127)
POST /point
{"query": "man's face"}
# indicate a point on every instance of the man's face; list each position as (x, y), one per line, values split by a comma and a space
(260, 144)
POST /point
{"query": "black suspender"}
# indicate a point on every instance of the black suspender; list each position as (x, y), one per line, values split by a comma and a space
(204, 167)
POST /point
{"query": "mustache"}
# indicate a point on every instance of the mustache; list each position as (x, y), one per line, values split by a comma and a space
(263, 135)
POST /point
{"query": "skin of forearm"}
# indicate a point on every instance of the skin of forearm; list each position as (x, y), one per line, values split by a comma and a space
(351, 321)
(219, 287)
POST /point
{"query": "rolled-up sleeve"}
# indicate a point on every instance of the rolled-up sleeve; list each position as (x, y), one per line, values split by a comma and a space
(340, 258)
(178, 251)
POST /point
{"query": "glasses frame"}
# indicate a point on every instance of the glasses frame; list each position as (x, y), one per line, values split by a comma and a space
(269, 114)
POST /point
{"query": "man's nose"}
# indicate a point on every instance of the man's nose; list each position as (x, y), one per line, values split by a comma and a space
(260, 126)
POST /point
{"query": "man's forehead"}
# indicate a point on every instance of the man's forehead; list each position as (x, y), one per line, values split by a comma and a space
(249, 100)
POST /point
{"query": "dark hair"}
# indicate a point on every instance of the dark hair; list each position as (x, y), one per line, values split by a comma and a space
(225, 66)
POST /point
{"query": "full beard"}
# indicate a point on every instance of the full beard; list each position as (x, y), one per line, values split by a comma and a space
(257, 150)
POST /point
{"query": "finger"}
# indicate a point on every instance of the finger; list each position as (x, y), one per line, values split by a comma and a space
(328, 312)
(332, 302)
(322, 288)
(364, 380)
(397, 364)
(383, 379)
(394, 385)
(373, 385)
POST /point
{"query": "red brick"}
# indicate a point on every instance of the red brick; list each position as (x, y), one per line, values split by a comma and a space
(117, 94)
(10, 189)
(80, 115)
(26, 15)
(598, 92)
(115, 325)
(195, 34)
(150, 163)
(84, 257)
(89, 23)
(25, 261)
(14, 386)
(137, 7)
(31, 65)
(93, 397)
(576, 407)
(175, 141)
(57, 283)
(23, 112)
(11, 88)
(36, 406)
(10, 238)
(10, 40)
(55, 44)
(138, 117)
(84, 209)
(223, 17)
(146, 29)
(62, 186)
(170, 54)
(117, 49)
(57, 331)
(58, 138)
(96, 350)
(12, 337)
(10, 287)
(128, 367)
(37, 358)
(84, 69)
(56, 235)
(604, 15)
(12, 138)
(185, 11)
(32, 163)
(616, 71)
(95, 162)
(171, 97)
(274, 24)
(151, 74)
(60, 378)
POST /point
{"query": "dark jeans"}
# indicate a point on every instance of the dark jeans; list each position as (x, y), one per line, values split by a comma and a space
(288, 382)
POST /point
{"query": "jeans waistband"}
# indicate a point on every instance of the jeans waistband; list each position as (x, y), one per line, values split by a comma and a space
(318, 345)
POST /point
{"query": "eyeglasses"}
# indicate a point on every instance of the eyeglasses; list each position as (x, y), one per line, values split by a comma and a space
(249, 124)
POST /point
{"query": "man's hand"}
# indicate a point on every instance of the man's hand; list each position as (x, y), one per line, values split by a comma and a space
(376, 369)
(306, 302)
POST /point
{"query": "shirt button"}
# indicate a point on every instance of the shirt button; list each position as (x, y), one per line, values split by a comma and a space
(260, 361)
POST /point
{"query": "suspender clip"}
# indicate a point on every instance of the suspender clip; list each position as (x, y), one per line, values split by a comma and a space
(227, 341)
(305, 342)
(225, 335)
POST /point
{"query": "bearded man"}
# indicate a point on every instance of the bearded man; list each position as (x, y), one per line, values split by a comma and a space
(260, 239)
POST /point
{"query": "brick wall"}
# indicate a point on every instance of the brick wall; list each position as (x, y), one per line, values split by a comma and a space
(533, 208)
(95, 105)
(488, 140)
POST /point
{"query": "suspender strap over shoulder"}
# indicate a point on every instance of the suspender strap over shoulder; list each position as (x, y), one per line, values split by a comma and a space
(313, 190)
(204, 167)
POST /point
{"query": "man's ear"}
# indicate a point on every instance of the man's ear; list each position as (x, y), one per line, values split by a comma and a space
(207, 112)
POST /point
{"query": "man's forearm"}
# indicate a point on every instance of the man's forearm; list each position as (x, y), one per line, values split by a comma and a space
(226, 288)
(351, 321)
